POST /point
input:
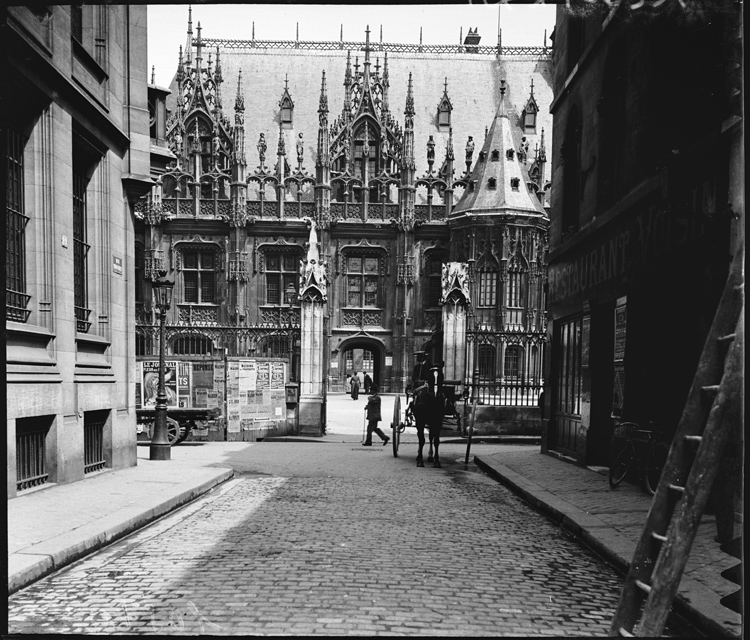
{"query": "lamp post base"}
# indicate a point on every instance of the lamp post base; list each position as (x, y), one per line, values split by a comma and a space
(160, 452)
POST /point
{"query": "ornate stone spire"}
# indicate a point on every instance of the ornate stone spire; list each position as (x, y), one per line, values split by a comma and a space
(497, 183)
(323, 139)
(189, 43)
(313, 286)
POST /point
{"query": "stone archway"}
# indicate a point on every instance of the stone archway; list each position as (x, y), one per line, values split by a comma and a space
(358, 348)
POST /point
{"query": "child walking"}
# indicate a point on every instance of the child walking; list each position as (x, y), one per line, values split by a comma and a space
(373, 417)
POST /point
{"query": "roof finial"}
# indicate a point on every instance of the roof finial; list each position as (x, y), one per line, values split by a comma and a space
(298, 32)
(153, 74)
(420, 36)
(253, 29)
(503, 112)
(341, 36)
(381, 34)
(532, 86)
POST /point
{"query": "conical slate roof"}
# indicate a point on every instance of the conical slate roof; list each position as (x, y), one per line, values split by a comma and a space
(499, 182)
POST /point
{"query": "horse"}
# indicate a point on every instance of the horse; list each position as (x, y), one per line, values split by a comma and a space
(427, 409)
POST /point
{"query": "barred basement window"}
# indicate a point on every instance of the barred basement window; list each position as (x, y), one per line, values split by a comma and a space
(15, 231)
(199, 276)
(93, 441)
(282, 277)
(31, 453)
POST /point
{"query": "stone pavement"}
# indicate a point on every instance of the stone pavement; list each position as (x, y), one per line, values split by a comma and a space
(611, 521)
(54, 526)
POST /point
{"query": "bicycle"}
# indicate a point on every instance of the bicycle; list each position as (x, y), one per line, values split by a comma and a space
(644, 449)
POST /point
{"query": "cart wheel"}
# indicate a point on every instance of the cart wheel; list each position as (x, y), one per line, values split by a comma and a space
(174, 431)
(396, 435)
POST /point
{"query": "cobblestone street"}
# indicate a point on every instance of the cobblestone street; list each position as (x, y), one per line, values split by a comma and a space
(451, 552)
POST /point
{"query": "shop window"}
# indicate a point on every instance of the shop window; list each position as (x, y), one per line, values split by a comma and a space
(362, 281)
(199, 276)
(568, 374)
(282, 277)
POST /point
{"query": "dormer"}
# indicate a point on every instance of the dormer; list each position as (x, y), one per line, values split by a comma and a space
(444, 110)
(287, 107)
(471, 42)
(530, 110)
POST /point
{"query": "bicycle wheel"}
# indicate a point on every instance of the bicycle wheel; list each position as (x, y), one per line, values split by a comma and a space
(620, 467)
(657, 458)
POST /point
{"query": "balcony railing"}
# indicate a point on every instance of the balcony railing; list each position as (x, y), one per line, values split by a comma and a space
(82, 319)
(15, 306)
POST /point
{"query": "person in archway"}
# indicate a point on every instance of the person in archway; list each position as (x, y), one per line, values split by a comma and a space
(368, 383)
(373, 417)
(355, 387)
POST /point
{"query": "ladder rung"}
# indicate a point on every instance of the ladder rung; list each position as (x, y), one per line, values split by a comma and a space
(646, 588)
(677, 488)
(658, 537)
(727, 338)
(625, 633)
(696, 440)
(710, 390)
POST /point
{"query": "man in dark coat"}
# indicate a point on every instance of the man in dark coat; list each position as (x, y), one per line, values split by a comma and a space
(373, 417)
(355, 387)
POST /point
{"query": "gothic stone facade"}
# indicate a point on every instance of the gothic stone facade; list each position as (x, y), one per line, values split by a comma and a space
(376, 167)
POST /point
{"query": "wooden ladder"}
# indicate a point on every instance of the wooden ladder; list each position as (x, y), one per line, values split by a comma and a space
(685, 484)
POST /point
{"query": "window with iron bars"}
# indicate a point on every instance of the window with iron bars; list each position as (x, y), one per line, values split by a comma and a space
(192, 345)
(486, 362)
(513, 360)
(282, 277)
(93, 441)
(199, 276)
(274, 347)
(16, 299)
(80, 249)
(31, 451)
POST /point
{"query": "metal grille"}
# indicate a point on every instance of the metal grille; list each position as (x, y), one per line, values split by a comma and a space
(192, 345)
(80, 252)
(382, 46)
(15, 225)
(31, 468)
(93, 443)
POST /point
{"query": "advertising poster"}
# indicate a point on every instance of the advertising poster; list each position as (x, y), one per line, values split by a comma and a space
(183, 383)
(264, 376)
(151, 383)
(620, 331)
(277, 375)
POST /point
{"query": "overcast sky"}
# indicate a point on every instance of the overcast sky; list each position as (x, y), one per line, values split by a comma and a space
(522, 25)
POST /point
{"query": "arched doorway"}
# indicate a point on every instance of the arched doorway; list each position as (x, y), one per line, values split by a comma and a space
(361, 354)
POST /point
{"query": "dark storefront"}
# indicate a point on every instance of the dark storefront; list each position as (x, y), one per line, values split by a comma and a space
(632, 302)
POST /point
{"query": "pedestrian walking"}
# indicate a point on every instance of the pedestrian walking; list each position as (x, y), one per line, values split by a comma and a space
(368, 383)
(372, 409)
(361, 378)
(355, 388)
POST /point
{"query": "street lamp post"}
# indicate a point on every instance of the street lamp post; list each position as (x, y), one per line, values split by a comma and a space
(160, 448)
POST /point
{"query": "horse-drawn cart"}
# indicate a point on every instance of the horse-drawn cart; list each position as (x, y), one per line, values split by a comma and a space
(180, 421)
(450, 416)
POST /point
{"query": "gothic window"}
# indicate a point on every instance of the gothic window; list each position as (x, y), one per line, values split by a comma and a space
(513, 361)
(199, 275)
(282, 277)
(486, 361)
(444, 118)
(495, 156)
(514, 290)
(274, 347)
(509, 154)
(515, 184)
(15, 225)
(140, 272)
(286, 106)
(144, 345)
(444, 110)
(192, 345)
(529, 121)
(492, 183)
(362, 280)
(487, 289)
(435, 278)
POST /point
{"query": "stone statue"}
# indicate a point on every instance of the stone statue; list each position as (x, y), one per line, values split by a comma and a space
(469, 152)
(430, 152)
(300, 149)
(262, 146)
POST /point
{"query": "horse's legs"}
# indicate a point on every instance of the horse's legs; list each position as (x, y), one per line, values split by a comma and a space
(436, 437)
(429, 455)
(420, 435)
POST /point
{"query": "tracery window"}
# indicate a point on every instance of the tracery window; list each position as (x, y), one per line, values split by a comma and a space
(513, 361)
(487, 289)
(282, 277)
(199, 275)
(363, 280)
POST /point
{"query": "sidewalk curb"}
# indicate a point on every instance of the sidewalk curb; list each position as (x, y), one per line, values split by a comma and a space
(692, 601)
(55, 560)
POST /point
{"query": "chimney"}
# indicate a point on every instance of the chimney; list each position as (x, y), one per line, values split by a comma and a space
(471, 42)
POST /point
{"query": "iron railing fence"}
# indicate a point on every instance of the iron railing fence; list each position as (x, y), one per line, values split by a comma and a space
(93, 445)
(31, 466)
(390, 47)
(508, 393)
